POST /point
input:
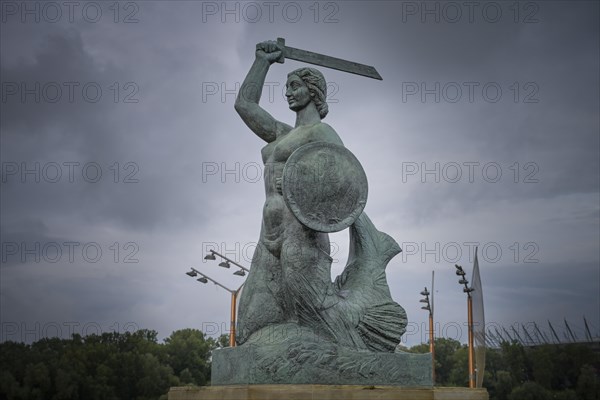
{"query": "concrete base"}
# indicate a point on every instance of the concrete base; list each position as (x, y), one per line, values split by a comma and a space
(323, 392)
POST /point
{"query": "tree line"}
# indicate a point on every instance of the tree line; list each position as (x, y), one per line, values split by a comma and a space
(516, 372)
(111, 366)
(136, 366)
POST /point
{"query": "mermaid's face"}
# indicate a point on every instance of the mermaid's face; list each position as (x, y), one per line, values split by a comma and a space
(297, 93)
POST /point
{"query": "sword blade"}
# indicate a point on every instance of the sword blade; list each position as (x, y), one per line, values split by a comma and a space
(329, 62)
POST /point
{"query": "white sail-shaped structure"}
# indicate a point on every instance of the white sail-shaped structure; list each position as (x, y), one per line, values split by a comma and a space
(478, 324)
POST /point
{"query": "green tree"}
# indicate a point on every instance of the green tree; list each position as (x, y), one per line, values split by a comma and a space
(516, 362)
(186, 376)
(459, 374)
(419, 348)
(9, 386)
(566, 395)
(189, 349)
(503, 386)
(66, 387)
(155, 378)
(588, 387)
(37, 381)
(570, 359)
(444, 359)
(542, 365)
(562, 372)
(530, 391)
(14, 358)
(223, 340)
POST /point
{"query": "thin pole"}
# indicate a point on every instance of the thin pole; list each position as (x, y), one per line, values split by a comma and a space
(234, 294)
(529, 337)
(553, 332)
(232, 328)
(432, 347)
(471, 349)
(538, 332)
(431, 332)
(573, 338)
(588, 334)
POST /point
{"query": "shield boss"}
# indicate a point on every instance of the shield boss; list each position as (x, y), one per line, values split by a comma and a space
(324, 186)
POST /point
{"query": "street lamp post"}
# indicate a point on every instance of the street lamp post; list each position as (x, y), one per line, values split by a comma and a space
(234, 293)
(429, 307)
(460, 272)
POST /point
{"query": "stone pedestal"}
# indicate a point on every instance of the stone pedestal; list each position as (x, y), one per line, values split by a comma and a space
(279, 364)
(323, 392)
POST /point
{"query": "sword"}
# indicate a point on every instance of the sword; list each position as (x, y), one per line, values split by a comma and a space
(326, 61)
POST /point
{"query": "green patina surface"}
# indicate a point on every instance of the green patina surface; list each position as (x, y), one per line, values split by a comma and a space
(290, 354)
(295, 325)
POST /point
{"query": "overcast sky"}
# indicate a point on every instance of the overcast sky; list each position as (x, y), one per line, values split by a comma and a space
(123, 159)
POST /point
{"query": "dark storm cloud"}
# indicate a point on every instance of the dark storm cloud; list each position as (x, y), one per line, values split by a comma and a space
(195, 160)
(158, 143)
(559, 132)
(78, 130)
(58, 108)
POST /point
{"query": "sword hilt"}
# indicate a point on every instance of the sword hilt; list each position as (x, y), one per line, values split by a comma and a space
(281, 43)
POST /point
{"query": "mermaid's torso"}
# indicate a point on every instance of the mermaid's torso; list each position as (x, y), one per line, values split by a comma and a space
(276, 217)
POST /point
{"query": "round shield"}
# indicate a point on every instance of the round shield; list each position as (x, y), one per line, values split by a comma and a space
(324, 186)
